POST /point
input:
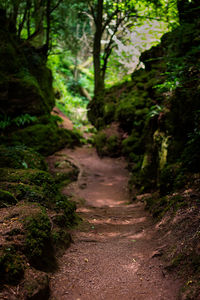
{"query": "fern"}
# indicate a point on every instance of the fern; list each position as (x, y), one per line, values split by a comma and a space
(21, 120)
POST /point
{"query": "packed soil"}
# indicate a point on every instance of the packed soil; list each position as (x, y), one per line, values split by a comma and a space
(115, 254)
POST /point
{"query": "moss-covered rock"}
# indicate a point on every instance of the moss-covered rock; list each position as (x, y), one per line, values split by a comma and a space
(38, 246)
(43, 138)
(37, 186)
(26, 83)
(29, 241)
(21, 157)
(62, 169)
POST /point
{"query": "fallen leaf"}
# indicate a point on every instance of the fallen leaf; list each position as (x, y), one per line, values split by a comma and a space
(189, 282)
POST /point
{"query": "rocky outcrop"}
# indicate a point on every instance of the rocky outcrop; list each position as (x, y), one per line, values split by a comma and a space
(25, 81)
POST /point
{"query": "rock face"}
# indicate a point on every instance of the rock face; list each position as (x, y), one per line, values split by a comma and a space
(25, 81)
(27, 97)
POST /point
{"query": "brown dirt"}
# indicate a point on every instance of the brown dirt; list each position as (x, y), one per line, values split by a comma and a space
(115, 254)
(66, 123)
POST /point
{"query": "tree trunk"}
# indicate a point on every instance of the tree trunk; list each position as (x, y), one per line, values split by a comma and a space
(48, 19)
(98, 76)
(188, 10)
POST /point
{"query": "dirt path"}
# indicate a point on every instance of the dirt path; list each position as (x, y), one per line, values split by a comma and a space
(113, 256)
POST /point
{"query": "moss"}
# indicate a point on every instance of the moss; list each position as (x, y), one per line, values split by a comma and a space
(25, 79)
(21, 157)
(100, 140)
(40, 187)
(113, 146)
(109, 112)
(11, 266)
(38, 247)
(68, 218)
(61, 237)
(133, 145)
(161, 142)
(33, 193)
(190, 156)
(172, 176)
(6, 198)
(159, 206)
(125, 114)
(31, 185)
(43, 138)
(29, 176)
(107, 145)
(64, 172)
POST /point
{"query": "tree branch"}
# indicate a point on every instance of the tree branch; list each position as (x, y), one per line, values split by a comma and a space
(92, 12)
(58, 3)
(109, 19)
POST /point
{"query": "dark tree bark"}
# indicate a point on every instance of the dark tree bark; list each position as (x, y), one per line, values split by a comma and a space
(188, 10)
(48, 18)
(98, 19)
(102, 19)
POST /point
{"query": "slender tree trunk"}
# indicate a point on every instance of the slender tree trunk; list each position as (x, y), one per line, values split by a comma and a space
(48, 18)
(98, 78)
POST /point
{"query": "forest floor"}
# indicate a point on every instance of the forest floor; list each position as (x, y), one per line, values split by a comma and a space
(115, 254)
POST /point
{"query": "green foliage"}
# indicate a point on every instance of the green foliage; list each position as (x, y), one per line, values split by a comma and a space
(154, 110)
(24, 119)
(19, 121)
(70, 100)
(21, 157)
(5, 121)
(174, 77)
(11, 266)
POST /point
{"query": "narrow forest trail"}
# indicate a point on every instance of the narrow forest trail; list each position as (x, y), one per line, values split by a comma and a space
(113, 256)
